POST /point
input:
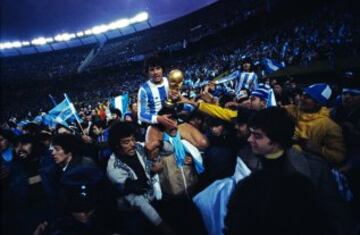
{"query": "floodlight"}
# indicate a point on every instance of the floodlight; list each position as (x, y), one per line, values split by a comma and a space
(122, 23)
(88, 32)
(112, 26)
(142, 16)
(16, 44)
(39, 41)
(25, 43)
(49, 39)
(99, 29)
(6, 45)
(64, 37)
(80, 34)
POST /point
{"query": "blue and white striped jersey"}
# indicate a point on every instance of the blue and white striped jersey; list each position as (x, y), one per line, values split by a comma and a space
(248, 80)
(150, 98)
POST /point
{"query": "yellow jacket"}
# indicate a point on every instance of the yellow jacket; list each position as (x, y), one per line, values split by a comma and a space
(320, 130)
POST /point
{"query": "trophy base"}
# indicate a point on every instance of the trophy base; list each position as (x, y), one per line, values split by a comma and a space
(169, 104)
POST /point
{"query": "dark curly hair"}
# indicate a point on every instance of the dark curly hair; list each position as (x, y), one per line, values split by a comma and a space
(276, 123)
(119, 130)
(152, 61)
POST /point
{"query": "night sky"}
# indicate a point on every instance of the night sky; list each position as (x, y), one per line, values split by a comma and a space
(27, 19)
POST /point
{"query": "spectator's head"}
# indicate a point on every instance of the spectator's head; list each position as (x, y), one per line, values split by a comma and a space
(61, 129)
(65, 147)
(154, 68)
(24, 145)
(314, 97)
(31, 128)
(246, 64)
(266, 203)
(115, 114)
(134, 109)
(271, 130)
(212, 86)
(216, 126)
(6, 138)
(277, 89)
(45, 137)
(350, 97)
(295, 96)
(241, 123)
(259, 98)
(98, 127)
(122, 139)
(196, 119)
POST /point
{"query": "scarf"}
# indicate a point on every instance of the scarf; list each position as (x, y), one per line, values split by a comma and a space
(180, 152)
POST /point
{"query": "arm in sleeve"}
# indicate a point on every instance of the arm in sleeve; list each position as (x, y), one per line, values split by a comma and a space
(333, 148)
(117, 176)
(143, 114)
(140, 202)
(217, 111)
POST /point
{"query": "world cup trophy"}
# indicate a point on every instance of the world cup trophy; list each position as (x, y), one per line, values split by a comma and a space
(176, 80)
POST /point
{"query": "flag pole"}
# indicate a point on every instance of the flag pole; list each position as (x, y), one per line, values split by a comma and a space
(73, 111)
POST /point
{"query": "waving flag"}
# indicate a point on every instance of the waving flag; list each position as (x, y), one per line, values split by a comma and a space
(228, 78)
(120, 102)
(272, 66)
(61, 113)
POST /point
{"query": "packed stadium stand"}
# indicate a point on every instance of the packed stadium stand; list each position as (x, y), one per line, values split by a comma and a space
(196, 42)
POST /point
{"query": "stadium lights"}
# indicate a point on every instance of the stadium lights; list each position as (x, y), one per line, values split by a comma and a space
(99, 29)
(6, 45)
(16, 44)
(88, 32)
(48, 40)
(39, 41)
(143, 16)
(119, 24)
(103, 28)
(123, 23)
(64, 37)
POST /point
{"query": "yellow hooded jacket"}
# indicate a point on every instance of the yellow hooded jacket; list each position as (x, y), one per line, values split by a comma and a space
(320, 130)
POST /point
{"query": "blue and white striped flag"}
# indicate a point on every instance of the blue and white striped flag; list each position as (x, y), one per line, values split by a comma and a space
(61, 113)
(120, 102)
(228, 78)
(272, 66)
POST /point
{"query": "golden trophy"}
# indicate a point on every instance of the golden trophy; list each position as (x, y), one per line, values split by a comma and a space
(176, 80)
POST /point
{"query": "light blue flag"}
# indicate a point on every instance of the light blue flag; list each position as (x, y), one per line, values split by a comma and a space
(61, 113)
(272, 66)
(212, 201)
(120, 102)
(73, 110)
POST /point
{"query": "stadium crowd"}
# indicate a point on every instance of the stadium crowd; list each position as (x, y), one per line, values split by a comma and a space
(236, 151)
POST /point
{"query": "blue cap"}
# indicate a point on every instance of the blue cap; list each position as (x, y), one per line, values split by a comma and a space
(351, 91)
(319, 92)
